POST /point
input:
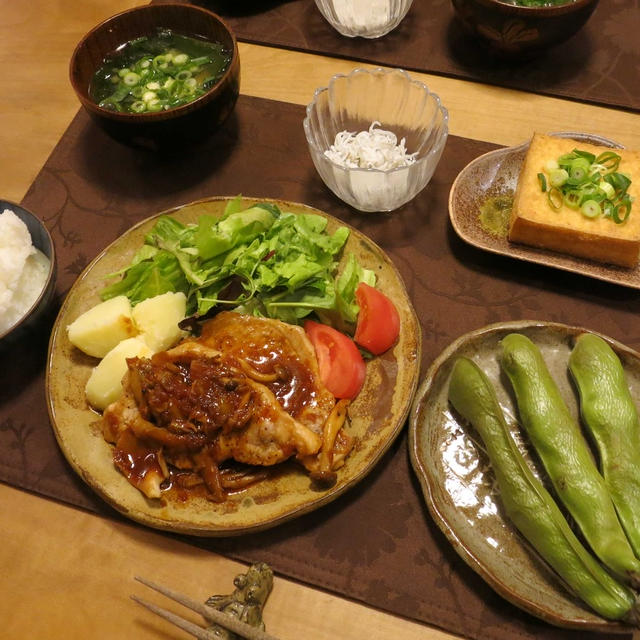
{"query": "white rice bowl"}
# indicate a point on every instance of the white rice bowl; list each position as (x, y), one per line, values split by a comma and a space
(23, 270)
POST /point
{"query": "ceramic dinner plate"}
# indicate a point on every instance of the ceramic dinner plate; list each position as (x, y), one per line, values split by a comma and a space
(458, 485)
(496, 173)
(376, 416)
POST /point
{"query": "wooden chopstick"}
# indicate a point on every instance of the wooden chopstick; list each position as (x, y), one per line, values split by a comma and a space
(209, 613)
(185, 625)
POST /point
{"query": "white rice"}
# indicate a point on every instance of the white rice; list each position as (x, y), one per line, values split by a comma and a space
(23, 270)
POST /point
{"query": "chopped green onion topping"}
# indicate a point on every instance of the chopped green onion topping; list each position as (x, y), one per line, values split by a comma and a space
(572, 198)
(607, 189)
(591, 209)
(543, 182)
(138, 106)
(588, 156)
(155, 105)
(622, 210)
(579, 169)
(554, 196)
(591, 184)
(619, 182)
(557, 177)
(131, 79)
(609, 160)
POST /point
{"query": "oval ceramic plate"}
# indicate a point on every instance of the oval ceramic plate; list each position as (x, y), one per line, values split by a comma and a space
(458, 485)
(496, 173)
(376, 416)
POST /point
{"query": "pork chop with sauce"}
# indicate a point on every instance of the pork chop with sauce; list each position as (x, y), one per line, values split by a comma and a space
(248, 389)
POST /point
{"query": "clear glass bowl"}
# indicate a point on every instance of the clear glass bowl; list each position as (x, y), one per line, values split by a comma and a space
(400, 104)
(365, 18)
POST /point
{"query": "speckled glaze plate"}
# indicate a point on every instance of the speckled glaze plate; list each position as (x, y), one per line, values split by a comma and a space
(458, 485)
(496, 173)
(377, 415)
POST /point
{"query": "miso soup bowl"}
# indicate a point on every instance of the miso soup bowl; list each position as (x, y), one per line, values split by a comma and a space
(515, 31)
(181, 125)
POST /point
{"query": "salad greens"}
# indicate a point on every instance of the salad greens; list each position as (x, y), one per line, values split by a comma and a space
(260, 261)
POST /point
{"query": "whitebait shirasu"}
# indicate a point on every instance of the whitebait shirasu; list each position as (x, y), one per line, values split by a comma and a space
(372, 149)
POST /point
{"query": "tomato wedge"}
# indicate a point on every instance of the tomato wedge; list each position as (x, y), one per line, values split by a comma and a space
(378, 323)
(342, 368)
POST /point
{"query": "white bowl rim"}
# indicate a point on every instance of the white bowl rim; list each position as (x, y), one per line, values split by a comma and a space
(370, 71)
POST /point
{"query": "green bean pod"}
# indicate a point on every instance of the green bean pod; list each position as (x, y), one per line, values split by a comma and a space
(566, 456)
(611, 417)
(529, 505)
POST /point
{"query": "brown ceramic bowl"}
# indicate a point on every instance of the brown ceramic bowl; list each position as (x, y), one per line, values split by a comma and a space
(185, 124)
(521, 31)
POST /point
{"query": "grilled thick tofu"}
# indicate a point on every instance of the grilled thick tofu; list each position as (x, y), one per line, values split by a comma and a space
(534, 222)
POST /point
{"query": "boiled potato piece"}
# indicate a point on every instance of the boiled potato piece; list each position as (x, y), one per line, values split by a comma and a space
(105, 383)
(157, 319)
(102, 327)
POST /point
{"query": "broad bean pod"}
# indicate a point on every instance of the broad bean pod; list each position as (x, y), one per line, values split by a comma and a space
(611, 417)
(566, 456)
(529, 505)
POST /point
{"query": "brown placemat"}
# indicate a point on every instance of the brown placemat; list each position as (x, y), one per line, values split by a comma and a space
(377, 543)
(599, 64)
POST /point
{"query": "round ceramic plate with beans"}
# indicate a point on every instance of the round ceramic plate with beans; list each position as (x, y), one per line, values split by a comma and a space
(458, 483)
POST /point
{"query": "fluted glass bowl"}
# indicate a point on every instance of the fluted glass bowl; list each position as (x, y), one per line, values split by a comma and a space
(401, 105)
(364, 18)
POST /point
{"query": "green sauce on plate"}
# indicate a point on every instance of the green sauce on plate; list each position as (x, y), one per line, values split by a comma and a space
(494, 215)
(159, 72)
